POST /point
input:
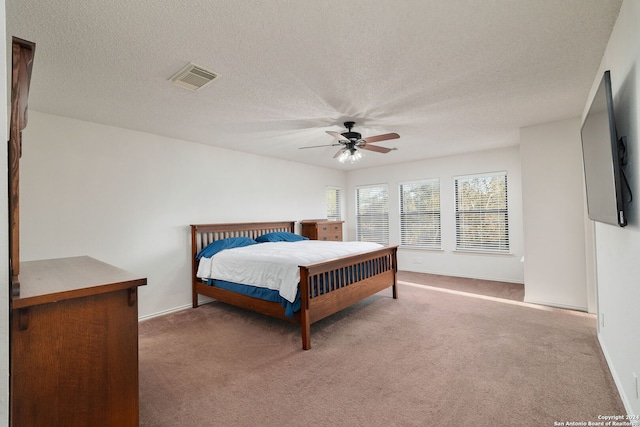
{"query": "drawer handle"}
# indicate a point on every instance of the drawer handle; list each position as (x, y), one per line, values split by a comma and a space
(23, 318)
(131, 300)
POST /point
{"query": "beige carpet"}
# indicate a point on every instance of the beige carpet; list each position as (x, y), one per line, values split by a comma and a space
(430, 358)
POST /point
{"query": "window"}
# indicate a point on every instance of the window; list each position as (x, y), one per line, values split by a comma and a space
(420, 214)
(333, 204)
(372, 214)
(482, 221)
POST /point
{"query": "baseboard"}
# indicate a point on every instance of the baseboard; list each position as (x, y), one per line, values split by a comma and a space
(163, 313)
(201, 300)
(618, 383)
(555, 304)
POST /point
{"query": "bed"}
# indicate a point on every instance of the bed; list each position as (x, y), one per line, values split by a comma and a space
(324, 289)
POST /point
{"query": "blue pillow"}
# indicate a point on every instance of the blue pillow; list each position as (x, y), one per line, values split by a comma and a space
(280, 236)
(219, 245)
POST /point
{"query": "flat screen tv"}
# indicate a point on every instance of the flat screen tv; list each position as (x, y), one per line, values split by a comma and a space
(603, 156)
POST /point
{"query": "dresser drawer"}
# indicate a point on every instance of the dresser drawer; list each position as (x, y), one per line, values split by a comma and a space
(322, 230)
(329, 231)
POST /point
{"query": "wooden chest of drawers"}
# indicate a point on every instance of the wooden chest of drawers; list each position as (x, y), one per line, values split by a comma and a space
(322, 229)
(74, 345)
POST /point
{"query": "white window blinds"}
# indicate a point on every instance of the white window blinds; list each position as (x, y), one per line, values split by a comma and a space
(372, 214)
(333, 204)
(482, 221)
(420, 214)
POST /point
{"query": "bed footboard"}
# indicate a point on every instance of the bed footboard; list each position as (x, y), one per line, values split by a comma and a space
(328, 287)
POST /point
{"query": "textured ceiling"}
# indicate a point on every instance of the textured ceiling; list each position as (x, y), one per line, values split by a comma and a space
(448, 76)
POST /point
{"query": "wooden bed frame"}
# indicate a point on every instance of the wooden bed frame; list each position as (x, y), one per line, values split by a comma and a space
(342, 272)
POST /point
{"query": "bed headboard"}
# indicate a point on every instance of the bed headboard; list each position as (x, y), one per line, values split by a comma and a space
(203, 234)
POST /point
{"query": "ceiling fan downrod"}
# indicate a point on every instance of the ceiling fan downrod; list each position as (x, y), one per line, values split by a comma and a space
(349, 134)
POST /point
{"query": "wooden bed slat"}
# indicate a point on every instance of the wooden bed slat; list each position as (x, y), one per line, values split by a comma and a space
(325, 288)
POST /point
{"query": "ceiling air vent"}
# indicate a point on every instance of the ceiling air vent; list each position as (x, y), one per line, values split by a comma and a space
(193, 77)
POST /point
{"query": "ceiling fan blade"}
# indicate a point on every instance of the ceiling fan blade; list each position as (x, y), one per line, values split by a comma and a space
(337, 135)
(376, 148)
(338, 153)
(318, 146)
(379, 138)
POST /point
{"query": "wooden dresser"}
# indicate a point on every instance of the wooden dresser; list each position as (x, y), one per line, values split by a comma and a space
(322, 229)
(74, 344)
(73, 339)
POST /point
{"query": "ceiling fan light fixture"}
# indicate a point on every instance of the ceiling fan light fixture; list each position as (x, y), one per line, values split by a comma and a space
(350, 156)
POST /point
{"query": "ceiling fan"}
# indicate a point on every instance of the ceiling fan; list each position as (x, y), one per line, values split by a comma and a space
(352, 142)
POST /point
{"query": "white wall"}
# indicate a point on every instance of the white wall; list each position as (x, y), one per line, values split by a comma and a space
(4, 229)
(553, 205)
(447, 261)
(618, 249)
(127, 198)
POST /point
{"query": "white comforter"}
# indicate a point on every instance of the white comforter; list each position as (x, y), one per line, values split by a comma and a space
(275, 265)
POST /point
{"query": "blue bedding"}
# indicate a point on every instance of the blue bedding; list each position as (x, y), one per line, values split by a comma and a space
(261, 293)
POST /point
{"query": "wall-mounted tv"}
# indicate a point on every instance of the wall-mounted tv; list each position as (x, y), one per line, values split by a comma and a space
(604, 156)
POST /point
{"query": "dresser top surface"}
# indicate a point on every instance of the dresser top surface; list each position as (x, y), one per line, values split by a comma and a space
(52, 280)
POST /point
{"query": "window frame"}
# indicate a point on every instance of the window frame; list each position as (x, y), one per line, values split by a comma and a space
(498, 241)
(369, 237)
(430, 243)
(338, 198)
